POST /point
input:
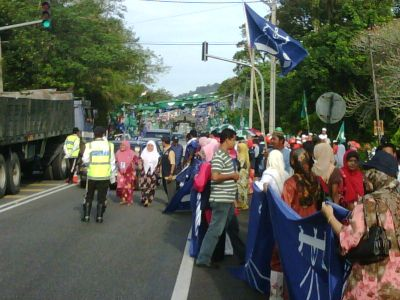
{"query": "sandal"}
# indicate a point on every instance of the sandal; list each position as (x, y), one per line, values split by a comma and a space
(123, 203)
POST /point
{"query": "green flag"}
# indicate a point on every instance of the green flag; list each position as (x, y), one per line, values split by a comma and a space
(341, 137)
(304, 106)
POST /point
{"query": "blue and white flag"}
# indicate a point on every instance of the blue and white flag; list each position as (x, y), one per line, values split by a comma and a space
(264, 36)
(308, 250)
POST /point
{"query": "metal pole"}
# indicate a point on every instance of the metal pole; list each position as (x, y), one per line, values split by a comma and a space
(1, 70)
(20, 25)
(377, 104)
(272, 94)
(255, 69)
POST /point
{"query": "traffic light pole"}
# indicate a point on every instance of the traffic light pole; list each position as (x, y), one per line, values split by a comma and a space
(1, 57)
(206, 55)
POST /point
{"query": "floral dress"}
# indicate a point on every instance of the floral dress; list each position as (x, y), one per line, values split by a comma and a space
(379, 280)
(126, 181)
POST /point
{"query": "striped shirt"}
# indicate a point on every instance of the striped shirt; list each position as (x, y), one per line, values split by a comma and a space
(224, 191)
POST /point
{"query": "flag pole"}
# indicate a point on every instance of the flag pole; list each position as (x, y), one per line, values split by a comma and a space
(252, 76)
(306, 111)
(272, 94)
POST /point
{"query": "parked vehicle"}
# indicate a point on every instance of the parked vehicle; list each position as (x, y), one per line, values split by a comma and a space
(157, 133)
(33, 127)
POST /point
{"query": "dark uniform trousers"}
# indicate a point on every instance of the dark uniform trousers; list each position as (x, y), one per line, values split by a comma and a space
(101, 186)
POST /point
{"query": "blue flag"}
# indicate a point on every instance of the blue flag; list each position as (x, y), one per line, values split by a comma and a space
(264, 36)
(308, 249)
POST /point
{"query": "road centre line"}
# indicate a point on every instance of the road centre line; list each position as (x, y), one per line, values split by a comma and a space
(43, 184)
(31, 190)
(33, 197)
(182, 283)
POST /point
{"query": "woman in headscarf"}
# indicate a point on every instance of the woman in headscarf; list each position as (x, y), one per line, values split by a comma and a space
(378, 280)
(274, 175)
(302, 191)
(126, 162)
(243, 182)
(209, 149)
(353, 179)
(150, 163)
(330, 177)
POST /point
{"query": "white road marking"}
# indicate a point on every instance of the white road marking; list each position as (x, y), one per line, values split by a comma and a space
(182, 284)
(30, 198)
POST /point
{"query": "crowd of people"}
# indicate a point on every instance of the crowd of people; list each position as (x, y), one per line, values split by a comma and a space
(305, 170)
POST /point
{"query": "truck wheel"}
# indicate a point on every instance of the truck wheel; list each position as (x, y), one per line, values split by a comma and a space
(13, 171)
(48, 173)
(59, 166)
(3, 177)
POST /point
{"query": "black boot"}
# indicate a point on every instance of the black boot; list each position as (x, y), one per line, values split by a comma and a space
(100, 211)
(87, 207)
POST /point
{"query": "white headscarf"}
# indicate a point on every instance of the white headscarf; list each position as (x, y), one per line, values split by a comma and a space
(150, 159)
(324, 161)
(274, 174)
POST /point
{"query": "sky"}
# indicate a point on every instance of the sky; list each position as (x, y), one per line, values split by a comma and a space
(156, 22)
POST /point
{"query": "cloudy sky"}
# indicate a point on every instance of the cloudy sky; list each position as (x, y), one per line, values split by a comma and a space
(157, 22)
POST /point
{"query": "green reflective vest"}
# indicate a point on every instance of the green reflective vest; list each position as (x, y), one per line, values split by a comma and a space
(69, 144)
(100, 158)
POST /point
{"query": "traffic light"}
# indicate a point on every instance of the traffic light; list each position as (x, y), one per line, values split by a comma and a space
(46, 15)
(204, 51)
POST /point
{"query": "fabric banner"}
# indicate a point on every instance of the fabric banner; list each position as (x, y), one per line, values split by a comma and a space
(308, 249)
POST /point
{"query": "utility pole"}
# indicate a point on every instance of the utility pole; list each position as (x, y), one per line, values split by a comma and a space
(376, 97)
(272, 94)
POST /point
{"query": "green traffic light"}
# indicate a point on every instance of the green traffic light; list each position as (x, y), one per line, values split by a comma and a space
(46, 24)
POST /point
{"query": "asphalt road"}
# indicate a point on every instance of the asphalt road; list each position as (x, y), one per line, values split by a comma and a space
(47, 253)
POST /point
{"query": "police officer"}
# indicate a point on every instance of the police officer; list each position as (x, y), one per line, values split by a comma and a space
(71, 151)
(99, 156)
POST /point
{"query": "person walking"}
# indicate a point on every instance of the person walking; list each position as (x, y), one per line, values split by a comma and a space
(243, 182)
(168, 168)
(100, 158)
(353, 179)
(126, 164)
(278, 143)
(71, 152)
(149, 165)
(222, 197)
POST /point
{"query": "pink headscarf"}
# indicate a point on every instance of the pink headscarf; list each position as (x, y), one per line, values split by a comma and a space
(210, 149)
(125, 156)
(204, 141)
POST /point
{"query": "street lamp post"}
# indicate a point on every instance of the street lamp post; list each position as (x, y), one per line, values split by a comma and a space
(206, 55)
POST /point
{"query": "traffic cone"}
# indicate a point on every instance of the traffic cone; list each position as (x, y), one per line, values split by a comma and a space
(75, 179)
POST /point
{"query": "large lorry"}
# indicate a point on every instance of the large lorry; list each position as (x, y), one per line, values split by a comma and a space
(33, 127)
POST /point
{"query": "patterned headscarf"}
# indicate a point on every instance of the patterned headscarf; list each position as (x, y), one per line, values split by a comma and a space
(307, 183)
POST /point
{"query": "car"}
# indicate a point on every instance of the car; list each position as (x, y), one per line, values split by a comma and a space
(157, 133)
(136, 145)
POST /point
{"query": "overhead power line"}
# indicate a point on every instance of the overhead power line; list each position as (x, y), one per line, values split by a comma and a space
(201, 2)
(185, 43)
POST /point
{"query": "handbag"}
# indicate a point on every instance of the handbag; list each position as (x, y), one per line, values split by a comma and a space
(374, 246)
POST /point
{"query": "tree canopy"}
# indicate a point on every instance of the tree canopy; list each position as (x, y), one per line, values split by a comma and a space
(329, 30)
(88, 50)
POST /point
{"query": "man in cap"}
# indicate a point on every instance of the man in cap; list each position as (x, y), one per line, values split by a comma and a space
(323, 136)
(71, 151)
(99, 156)
(278, 143)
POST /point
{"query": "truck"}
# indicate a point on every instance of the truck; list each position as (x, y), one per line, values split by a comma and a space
(33, 127)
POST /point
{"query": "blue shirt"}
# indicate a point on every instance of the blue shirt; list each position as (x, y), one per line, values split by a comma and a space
(178, 149)
(286, 158)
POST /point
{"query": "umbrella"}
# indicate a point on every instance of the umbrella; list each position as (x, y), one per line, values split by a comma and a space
(222, 127)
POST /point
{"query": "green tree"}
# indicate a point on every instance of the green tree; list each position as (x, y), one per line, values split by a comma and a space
(88, 50)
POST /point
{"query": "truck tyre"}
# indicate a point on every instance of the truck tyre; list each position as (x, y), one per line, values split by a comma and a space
(13, 171)
(3, 176)
(59, 166)
(48, 173)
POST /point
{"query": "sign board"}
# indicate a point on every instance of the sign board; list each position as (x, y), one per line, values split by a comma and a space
(378, 128)
(330, 108)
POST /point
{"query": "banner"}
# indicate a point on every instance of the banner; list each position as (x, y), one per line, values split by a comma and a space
(308, 250)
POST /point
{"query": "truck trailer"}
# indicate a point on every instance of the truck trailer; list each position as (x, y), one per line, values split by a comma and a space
(33, 127)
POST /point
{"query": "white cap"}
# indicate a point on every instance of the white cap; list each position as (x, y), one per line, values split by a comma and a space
(324, 129)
